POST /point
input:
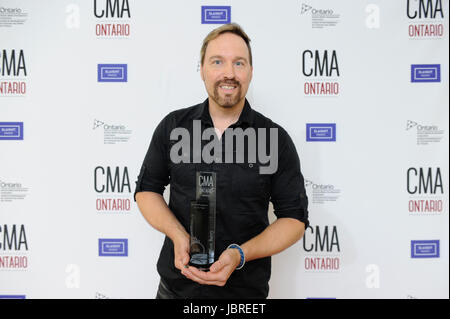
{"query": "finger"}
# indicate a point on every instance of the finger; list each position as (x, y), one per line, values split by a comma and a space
(208, 276)
(181, 260)
(225, 259)
(185, 259)
(202, 275)
(192, 275)
(217, 266)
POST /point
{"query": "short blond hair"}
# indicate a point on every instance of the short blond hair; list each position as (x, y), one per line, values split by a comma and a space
(230, 27)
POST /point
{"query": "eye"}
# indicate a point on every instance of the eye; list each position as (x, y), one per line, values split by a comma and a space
(239, 63)
(217, 62)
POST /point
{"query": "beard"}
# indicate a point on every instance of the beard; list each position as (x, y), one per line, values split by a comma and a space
(227, 100)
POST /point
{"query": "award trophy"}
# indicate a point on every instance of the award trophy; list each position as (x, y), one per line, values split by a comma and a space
(203, 221)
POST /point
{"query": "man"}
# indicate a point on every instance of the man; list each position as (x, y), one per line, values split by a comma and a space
(243, 193)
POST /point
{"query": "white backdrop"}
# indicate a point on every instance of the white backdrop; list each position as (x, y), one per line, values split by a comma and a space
(367, 239)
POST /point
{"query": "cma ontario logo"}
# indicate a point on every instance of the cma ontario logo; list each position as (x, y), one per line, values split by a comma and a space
(321, 72)
(426, 19)
(13, 73)
(426, 190)
(13, 248)
(114, 18)
(113, 189)
(322, 248)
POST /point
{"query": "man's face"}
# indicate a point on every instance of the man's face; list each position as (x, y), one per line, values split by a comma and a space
(226, 69)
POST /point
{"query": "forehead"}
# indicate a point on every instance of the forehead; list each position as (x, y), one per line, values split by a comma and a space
(227, 45)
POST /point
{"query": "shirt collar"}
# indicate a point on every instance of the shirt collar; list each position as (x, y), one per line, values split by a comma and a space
(246, 116)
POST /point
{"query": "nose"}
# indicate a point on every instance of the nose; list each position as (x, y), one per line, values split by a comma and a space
(228, 72)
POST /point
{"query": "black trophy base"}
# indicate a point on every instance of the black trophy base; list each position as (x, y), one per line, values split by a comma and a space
(200, 262)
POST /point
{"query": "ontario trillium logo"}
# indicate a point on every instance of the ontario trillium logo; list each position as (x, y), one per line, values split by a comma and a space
(425, 134)
(320, 18)
(113, 134)
(305, 8)
(322, 193)
(12, 191)
(410, 124)
(97, 124)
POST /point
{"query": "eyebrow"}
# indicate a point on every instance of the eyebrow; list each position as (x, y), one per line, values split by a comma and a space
(221, 57)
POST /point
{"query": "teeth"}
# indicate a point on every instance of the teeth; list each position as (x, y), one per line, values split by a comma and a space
(227, 87)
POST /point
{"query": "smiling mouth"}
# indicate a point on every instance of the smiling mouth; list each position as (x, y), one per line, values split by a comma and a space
(227, 87)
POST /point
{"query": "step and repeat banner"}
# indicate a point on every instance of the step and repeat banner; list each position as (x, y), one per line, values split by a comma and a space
(360, 86)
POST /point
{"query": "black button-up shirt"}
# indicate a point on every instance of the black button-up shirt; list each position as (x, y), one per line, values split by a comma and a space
(243, 196)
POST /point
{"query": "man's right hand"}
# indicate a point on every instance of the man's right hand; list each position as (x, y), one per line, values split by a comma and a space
(155, 210)
(181, 250)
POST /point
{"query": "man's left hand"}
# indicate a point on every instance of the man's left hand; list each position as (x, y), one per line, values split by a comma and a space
(219, 272)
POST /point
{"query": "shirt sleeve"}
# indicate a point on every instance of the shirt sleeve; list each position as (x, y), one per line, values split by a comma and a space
(154, 173)
(288, 194)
